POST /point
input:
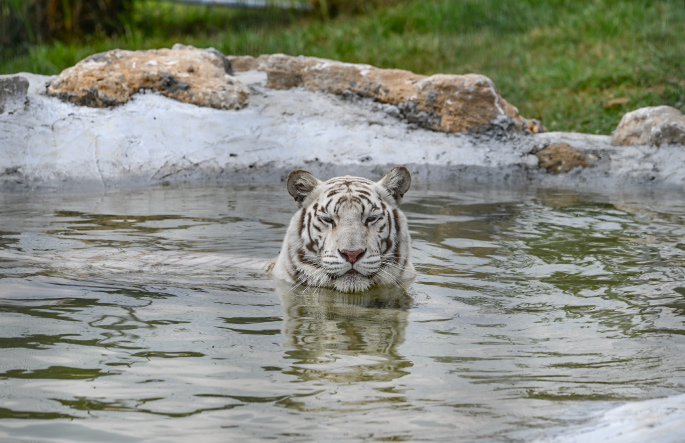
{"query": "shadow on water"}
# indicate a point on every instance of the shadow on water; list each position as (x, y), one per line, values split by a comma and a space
(346, 338)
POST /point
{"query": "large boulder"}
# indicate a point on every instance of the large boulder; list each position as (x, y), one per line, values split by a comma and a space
(654, 125)
(13, 90)
(202, 77)
(441, 102)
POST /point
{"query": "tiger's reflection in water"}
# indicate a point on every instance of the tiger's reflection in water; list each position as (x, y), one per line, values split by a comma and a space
(346, 337)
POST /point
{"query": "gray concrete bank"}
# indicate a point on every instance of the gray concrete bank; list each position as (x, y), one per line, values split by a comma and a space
(49, 144)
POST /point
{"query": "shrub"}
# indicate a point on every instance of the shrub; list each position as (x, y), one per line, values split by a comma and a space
(38, 21)
(332, 8)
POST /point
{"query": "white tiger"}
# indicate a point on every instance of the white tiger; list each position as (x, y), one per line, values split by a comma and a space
(348, 234)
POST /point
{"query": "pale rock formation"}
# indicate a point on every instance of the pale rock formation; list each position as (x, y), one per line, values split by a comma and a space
(654, 125)
(441, 102)
(199, 76)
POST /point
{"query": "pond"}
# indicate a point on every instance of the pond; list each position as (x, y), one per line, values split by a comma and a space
(533, 311)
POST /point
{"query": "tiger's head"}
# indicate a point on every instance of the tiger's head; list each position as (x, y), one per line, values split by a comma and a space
(348, 234)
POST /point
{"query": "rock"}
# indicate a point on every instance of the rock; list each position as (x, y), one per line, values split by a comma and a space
(242, 63)
(153, 140)
(13, 90)
(198, 76)
(561, 157)
(441, 102)
(655, 125)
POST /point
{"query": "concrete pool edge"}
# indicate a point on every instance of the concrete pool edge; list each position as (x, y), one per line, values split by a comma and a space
(52, 145)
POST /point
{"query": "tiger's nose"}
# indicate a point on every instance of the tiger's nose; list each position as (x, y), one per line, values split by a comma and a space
(351, 256)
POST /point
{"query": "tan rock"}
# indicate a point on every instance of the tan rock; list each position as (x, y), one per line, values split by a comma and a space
(242, 63)
(561, 157)
(655, 125)
(448, 103)
(198, 76)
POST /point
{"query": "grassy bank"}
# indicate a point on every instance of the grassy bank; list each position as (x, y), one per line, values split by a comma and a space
(577, 65)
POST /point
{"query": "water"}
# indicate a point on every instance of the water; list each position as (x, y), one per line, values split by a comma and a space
(533, 312)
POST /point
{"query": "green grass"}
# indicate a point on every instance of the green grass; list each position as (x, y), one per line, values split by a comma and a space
(561, 61)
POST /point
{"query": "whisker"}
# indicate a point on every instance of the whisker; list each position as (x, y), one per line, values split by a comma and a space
(393, 279)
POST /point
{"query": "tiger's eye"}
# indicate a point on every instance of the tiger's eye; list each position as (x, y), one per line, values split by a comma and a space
(371, 219)
(325, 219)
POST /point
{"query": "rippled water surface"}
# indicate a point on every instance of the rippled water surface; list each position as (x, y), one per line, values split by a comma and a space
(121, 319)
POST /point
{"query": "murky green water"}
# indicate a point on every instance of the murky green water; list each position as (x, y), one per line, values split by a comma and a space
(532, 311)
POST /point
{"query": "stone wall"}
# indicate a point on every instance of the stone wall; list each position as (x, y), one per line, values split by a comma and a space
(442, 102)
(195, 114)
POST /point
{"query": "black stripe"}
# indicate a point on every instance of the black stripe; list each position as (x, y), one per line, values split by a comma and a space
(300, 224)
(337, 204)
(303, 259)
(355, 199)
(396, 218)
(310, 246)
(363, 208)
(368, 200)
(398, 227)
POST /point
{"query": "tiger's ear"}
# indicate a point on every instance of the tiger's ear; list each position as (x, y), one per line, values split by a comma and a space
(397, 182)
(301, 184)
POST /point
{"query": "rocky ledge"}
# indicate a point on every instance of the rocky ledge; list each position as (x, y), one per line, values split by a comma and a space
(200, 77)
(127, 118)
(447, 103)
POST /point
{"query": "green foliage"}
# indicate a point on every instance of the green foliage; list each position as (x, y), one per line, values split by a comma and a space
(16, 27)
(327, 9)
(30, 22)
(577, 65)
